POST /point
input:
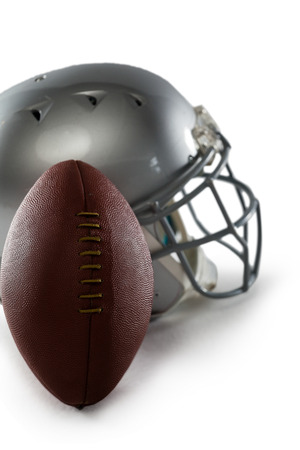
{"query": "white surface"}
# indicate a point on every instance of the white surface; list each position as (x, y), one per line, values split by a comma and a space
(211, 375)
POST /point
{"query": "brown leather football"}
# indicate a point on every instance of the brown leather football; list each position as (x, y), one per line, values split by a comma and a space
(77, 283)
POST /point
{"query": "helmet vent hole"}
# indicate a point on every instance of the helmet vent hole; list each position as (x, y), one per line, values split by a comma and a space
(138, 102)
(40, 78)
(92, 100)
(36, 114)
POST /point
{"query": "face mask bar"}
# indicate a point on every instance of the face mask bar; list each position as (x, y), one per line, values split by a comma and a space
(161, 209)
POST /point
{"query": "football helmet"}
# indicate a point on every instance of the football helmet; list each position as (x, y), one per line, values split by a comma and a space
(169, 160)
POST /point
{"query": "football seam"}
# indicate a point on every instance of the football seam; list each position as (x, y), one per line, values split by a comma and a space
(92, 267)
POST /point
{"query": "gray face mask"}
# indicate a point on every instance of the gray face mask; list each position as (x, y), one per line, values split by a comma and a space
(168, 159)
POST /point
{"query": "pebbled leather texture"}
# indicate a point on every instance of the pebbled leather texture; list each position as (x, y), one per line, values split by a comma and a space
(50, 262)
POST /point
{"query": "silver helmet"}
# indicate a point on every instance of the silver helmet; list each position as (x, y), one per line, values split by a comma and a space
(167, 158)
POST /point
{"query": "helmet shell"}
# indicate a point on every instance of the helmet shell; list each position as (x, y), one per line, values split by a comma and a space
(127, 122)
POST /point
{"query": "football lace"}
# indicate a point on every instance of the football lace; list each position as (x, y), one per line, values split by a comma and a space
(92, 253)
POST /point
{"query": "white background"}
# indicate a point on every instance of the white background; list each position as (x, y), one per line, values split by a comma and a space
(211, 375)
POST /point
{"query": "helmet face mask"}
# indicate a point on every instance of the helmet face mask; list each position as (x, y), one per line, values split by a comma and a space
(232, 235)
(168, 159)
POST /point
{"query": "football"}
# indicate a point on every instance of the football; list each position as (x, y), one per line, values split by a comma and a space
(77, 283)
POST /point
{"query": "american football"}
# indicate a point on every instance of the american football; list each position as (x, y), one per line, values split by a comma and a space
(77, 282)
